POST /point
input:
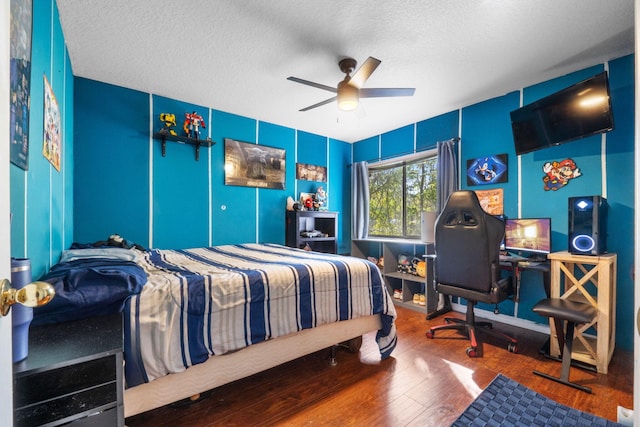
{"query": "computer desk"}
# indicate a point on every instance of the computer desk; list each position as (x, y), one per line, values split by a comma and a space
(517, 264)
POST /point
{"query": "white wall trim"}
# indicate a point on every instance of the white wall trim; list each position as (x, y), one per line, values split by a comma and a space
(603, 151)
(151, 171)
(636, 262)
(519, 158)
(257, 231)
(209, 178)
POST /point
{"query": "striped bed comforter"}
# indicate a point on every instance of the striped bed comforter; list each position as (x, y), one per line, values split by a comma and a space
(204, 302)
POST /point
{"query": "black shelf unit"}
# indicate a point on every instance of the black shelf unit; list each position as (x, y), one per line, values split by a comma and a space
(73, 375)
(165, 136)
(322, 221)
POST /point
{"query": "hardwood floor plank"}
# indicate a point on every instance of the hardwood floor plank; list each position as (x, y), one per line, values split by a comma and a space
(424, 383)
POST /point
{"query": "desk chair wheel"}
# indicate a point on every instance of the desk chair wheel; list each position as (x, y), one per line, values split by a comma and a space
(430, 334)
(512, 347)
(472, 352)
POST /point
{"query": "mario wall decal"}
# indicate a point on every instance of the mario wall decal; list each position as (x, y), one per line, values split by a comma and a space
(558, 174)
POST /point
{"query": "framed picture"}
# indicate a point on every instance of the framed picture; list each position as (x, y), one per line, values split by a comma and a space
(487, 170)
(20, 81)
(311, 172)
(253, 165)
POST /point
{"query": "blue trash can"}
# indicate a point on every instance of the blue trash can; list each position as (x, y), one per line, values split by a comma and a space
(21, 316)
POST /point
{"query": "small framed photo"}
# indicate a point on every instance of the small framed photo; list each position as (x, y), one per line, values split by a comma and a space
(311, 172)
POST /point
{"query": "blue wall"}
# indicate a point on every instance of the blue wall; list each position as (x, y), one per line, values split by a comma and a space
(485, 129)
(41, 197)
(113, 178)
(128, 187)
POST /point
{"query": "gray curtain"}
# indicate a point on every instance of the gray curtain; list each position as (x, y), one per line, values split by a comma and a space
(447, 171)
(360, 190)
(447, 184)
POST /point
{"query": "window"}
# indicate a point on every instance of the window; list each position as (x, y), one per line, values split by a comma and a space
(398, 194)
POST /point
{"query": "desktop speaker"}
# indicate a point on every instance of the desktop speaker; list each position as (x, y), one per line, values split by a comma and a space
(587, 225)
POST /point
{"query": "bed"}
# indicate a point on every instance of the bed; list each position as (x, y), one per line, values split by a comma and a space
(195, 319)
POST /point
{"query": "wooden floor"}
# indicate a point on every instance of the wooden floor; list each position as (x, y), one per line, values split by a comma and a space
(424, 383)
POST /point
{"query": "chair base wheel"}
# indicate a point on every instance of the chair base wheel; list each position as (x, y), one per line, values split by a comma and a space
(513, 347)
(430, 334)
(472, 352)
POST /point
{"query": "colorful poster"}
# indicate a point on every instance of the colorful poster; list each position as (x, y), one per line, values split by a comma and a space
(20, 81)
(492, 201)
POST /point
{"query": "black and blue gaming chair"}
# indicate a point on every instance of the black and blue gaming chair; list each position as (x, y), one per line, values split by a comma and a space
(467, 264)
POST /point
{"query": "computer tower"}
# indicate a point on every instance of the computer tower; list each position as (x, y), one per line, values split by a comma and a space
(587, 225)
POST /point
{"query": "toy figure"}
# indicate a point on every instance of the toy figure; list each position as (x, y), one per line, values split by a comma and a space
(169, 121)
(192, 124)
(321, 199)
(557, 175)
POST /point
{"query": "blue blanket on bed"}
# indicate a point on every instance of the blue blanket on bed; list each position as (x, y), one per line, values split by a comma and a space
(89, 287)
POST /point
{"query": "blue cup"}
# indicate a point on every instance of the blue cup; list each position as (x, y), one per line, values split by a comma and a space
(21, 316)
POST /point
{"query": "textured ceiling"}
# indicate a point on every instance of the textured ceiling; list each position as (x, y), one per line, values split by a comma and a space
(235, 55)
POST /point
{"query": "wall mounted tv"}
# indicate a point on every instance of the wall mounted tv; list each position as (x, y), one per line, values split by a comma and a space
(578, 111)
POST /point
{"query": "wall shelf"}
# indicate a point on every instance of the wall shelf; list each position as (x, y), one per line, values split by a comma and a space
(164, 137)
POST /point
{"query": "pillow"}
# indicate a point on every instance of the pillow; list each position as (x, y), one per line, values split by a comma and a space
(101, 253)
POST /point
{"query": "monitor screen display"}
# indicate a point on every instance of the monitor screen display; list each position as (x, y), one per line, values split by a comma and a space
(528, 235)
(578, 111)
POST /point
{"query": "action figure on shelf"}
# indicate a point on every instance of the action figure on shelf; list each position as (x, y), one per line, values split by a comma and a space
(321, 199)
(192, 124)
(169, 121)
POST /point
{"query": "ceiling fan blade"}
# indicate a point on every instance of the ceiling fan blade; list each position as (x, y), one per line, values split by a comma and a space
(320, 104)
(386, 92)
(364, 72)
(313, 84)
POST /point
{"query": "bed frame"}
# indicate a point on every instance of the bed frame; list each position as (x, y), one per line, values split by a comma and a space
(220, 370)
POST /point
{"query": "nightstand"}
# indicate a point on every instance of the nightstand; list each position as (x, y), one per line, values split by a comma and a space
(73, 374)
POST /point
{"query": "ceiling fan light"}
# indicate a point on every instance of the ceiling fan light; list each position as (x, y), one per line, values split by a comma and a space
(348, 96)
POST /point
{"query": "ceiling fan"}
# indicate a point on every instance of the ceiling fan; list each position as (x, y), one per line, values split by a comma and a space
(349, 90)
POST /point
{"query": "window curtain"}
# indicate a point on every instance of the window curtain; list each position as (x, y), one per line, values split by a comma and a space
(447, 184)
(447, 172)
(360, 190)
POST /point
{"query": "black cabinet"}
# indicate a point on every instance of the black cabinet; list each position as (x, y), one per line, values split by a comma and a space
(318, 229)
(73, 375)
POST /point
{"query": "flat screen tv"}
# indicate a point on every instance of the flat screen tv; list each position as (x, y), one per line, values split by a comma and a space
(528, 235)
(578, 111)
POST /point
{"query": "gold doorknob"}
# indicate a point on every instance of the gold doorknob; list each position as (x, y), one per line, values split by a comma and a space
(32, 295)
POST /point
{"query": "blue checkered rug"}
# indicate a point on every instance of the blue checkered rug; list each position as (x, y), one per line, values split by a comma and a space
(507, 403)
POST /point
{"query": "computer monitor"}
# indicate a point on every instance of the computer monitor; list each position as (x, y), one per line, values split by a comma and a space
(528, 235)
